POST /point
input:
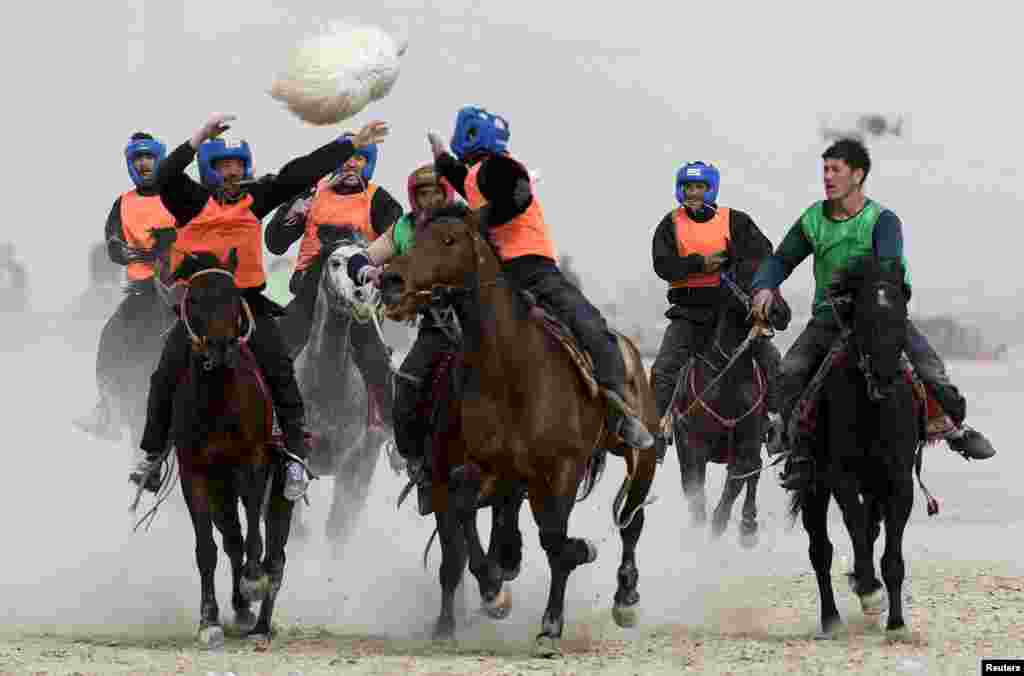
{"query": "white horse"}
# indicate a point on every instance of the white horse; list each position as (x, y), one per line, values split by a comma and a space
(333, 390)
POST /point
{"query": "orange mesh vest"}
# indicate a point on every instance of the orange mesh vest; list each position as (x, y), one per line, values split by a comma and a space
(700, 238)
(221, 227)
(525, 235)
(331, 208)
(139, 215)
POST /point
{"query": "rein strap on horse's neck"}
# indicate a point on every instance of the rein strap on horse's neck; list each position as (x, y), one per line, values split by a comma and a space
(198, 341)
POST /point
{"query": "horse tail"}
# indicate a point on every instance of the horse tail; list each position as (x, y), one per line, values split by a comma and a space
(595, 470)
(426, 550)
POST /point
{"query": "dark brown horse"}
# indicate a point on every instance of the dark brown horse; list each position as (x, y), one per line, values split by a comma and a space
(719, 409)
(529, 414)
(223, 432)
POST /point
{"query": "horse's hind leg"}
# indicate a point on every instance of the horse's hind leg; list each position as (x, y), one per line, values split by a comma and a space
(453, 563)
(901, 501)
(196, 491)
(278, 521)
(820, 550)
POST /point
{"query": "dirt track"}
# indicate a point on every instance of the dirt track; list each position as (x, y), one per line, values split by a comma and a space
(759, 626)
(82, 594)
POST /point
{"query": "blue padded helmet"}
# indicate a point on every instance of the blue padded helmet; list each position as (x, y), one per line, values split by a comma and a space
(370, 154)
(218, 149)
(698, 172)
(478, 130)
(142, 144)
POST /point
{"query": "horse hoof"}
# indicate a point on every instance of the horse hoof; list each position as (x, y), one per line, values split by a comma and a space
(749, 540)
(501, 606)
(254, 590)
(444, 630)
(211, 638)
(626, 617)
(873, 603)
(899, 634)
(547, 646)
(245, 620)
(829, 629)
(591, 551)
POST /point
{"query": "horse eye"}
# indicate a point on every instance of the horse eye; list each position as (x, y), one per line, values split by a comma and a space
(335, 264)
(449, 240)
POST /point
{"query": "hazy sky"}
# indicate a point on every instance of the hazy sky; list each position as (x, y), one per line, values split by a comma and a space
(605, 100)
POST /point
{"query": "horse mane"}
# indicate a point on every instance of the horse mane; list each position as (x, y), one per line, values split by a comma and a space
(197, 262)
(865, 268)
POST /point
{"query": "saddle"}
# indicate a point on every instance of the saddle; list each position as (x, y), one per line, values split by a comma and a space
(935, 424)
(563, 336)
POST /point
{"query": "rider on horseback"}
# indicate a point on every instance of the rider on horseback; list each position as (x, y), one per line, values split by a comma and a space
(131, 243)
(346, 199)
(437, 332)
(845, 226)
(222, 213)
(689, 251)
(513, 222)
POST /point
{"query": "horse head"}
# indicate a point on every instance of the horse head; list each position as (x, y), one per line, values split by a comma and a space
(343, 296)
(448, 258)
(212, 308)
(870, 299)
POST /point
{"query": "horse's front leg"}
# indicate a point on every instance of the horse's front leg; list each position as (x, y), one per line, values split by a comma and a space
(196, 491)
(453, 563)
(863, 581)
(465, 492)
(749, 525)
(506, 545)
(565, 554)
(692, 468)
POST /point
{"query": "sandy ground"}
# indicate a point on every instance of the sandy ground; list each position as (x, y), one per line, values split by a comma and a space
(81, 593)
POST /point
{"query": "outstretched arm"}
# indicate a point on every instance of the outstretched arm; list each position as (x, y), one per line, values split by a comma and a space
(447, 166)
(779, 266)
(384, 212)
(181, 196)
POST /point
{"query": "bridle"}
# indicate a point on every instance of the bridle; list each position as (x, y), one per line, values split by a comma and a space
(200, 344)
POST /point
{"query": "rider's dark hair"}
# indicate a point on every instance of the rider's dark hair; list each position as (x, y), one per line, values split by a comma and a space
(851, 151)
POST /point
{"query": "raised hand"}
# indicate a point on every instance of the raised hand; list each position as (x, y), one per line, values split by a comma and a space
(371, 134)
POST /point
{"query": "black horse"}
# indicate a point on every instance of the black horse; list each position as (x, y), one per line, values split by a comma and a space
(868, 432)
(719, 408)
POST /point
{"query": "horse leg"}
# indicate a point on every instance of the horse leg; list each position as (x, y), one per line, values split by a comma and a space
(730, 491)
(901, 501)
(196, 491)
(863, 581)
(506, 545)
(352, 489)
(278, 524)
(464, 490)
(224, 503)
(564, 555)
(640, 469)
(254, 584)
(748, 524)
(692, 471)
(820, 550)
(453, 563)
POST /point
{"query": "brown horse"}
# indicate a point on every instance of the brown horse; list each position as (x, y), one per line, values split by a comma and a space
(530, 414)
(223, 433)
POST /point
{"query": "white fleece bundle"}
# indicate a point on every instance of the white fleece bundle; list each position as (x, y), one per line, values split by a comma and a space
(335, 75)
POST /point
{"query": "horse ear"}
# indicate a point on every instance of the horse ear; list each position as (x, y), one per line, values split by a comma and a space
(233, 260)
